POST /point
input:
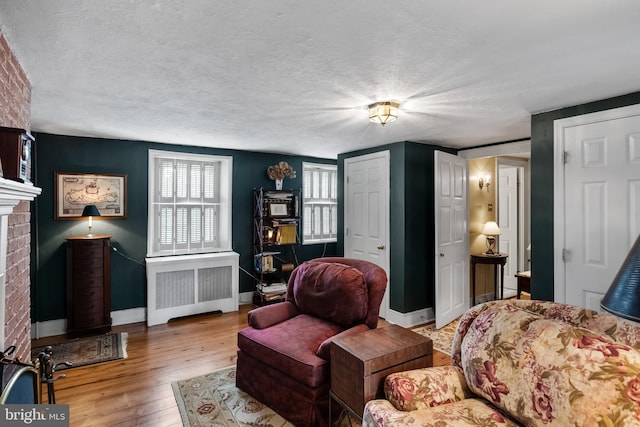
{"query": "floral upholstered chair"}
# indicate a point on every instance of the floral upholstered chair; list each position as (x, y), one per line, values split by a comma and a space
(518, 362)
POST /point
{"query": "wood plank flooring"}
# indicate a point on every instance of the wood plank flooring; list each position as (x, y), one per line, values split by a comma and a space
(136, 391)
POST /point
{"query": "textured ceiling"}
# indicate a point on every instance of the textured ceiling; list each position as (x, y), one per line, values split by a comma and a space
(296, 76)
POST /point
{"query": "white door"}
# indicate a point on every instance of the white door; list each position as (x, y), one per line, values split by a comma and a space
(508, 221)
(452, 245)
(600, 184)
(366, 212)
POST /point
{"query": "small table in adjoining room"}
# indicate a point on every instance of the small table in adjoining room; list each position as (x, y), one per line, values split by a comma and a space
(360, 362)
(524, 282)
(492, 259)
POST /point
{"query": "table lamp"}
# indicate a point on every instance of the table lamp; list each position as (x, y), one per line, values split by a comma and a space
(491, 230)
(623, 296)
(90, 211)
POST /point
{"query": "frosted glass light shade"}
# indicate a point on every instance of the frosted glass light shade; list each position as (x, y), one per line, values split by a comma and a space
(383, 112)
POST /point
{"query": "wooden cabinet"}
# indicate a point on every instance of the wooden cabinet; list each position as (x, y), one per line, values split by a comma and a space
(360, 362)
(88, 285)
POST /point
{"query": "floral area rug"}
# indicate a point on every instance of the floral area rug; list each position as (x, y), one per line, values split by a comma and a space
(89, 350)
(442, 338)
(214, 400)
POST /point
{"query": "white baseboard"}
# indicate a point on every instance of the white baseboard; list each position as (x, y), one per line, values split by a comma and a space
(414, 318)
(245, 298)
(51, 328)
(132, 315)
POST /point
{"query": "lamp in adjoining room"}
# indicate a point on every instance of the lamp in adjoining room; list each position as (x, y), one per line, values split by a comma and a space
(491, 230)
(623, 296)
(383, 112)
(90, 211)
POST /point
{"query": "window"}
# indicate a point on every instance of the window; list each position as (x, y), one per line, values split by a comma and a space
(189, 203)
(320, 203)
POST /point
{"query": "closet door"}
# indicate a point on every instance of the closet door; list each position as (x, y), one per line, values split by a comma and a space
(599, 201)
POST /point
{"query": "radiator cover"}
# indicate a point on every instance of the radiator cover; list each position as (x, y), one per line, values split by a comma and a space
(191, 284)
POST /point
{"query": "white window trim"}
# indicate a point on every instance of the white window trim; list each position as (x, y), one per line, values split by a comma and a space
(326, 166)
(226, 175)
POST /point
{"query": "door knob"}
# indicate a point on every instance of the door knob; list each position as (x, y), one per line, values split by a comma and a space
(381, 246)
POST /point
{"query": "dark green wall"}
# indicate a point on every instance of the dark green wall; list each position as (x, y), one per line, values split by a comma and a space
(542, 181)
(411, 222)
(54, 153)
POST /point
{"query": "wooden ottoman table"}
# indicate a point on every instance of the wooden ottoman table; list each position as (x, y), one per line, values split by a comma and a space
(359, 363)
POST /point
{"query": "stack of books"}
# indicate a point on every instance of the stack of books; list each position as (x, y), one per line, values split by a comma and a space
(271, 291)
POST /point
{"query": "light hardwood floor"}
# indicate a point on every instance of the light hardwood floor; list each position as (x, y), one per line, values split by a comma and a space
(136, 391)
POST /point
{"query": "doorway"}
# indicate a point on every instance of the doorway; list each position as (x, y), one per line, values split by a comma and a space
(511, 217)
(505, 168)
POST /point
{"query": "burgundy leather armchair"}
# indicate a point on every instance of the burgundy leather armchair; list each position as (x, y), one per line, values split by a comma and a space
(283, 355)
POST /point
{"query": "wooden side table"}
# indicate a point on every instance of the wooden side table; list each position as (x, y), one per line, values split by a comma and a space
(495, 260)
(359, 363)
(524, 282)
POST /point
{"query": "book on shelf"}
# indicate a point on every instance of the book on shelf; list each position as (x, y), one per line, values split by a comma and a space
(263, 262)
(273, 289)
(287, 234)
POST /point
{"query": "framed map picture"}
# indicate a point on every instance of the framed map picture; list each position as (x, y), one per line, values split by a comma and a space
(76, 190)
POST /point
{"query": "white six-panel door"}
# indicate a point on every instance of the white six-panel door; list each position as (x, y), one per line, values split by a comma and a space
(367, 211)
(452, 243)
(598, 208)
(508, 221)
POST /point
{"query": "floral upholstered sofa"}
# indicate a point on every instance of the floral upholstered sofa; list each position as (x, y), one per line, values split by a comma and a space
(522, 362)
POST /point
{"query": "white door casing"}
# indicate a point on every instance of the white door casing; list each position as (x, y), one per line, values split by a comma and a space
(596, 201)
(452, 242)
(508, 211)
(366, 212)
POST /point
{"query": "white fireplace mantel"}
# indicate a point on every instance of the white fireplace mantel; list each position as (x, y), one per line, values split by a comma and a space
(11, 193)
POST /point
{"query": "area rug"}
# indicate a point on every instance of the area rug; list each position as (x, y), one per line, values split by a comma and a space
(89, 350)
(442, 338)
(214, 400)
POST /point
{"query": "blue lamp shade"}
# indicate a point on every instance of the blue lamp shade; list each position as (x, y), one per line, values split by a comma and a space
(90, 210)
(623, 296)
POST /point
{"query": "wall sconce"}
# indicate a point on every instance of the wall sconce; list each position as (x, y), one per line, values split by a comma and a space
(383, 112)
(491, 230)
(90, 211)
(484, 182)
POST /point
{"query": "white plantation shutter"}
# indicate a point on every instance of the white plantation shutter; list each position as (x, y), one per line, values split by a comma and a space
(189, 210)
(320, 203)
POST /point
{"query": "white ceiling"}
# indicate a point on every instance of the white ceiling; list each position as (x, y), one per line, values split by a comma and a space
(296, 76)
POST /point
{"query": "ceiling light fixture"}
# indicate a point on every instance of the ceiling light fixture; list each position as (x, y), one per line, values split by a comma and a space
(383, 112)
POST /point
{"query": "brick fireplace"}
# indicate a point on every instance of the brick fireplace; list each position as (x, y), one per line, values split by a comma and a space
(15, 211)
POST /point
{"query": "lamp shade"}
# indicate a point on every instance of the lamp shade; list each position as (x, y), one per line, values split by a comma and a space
(491, 229)
(90, 210)
(623, 296)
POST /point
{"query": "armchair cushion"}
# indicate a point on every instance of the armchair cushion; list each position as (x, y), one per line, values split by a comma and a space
(331, 291)
(269, 315)
(290, 347)
(465, 413)
(424, 388)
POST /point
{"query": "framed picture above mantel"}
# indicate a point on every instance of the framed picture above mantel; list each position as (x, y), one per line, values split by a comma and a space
(74, 191)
